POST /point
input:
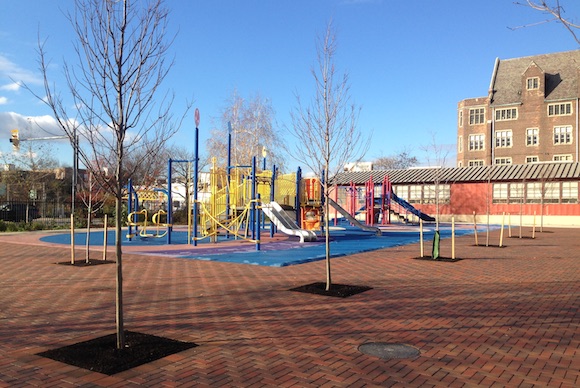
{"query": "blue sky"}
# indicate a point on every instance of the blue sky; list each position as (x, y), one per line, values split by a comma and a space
(409, 62)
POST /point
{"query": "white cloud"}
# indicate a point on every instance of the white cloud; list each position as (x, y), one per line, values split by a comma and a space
(12, 71)
(3, 100)
(11, 87)
(29, 126)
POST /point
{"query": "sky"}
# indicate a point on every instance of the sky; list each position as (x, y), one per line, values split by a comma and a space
(409, 62)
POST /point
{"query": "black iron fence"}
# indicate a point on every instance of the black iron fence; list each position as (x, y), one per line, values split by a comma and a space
(42, 212)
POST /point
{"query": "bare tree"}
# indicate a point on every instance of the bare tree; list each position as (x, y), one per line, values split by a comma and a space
(252, 129)
(325, 129)
(556, 12)
(121, 48)
(402, 160)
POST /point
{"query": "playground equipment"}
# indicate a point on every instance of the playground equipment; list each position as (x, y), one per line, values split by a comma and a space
(138, 220)
(285, 223)
(379, 202)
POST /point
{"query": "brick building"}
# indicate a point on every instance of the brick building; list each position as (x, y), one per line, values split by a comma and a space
(529, 115)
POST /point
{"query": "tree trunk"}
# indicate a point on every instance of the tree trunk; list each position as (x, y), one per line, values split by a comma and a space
(327, 243)
(118, 254)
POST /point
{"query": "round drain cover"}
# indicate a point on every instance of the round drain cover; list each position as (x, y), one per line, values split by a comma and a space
(388, 351)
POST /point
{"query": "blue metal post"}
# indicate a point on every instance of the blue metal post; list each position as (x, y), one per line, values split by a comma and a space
(258, 220)
(169, 205)
(253, 210)
(228, 173)
(297, 200)
(129, 205)
(273, 198)
(195, 185)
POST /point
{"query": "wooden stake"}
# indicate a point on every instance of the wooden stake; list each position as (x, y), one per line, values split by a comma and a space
(72, 239)
(453, 237)
(501, 231)
(105, 240)
(534, 226)
(421, 236)
(475, 229)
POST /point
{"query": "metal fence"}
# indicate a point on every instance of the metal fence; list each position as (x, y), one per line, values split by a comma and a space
(44, 212)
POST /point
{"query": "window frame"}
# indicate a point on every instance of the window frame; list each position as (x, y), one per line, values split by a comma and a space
(504, 138)
(562, 137)
(555, 109)
(506, 114)
(535, 81)
(477, 116)
(536, 159)
(532, 140)
(476, 162)
(480, 142)
(506, 160)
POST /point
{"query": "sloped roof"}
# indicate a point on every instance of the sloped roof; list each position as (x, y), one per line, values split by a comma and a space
(498, 173)
(561, 71)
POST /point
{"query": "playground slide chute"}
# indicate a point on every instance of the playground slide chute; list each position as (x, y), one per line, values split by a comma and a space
(285, 224)
(410, 208)
(353, 220)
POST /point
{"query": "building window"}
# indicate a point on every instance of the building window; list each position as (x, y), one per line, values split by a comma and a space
(562, 158)
(503, 161)
(506, 114)
(552, 192)
(569, 192)
(516, 194)
(532, 159)
(432, 192)
(476, 142)
(475, 163)
(460, 144)
(532, 83)
(503, 139)
(415, 194)
(476, 116)
(460, 119)
(560, 109)
(563, 135)
(534, 192)
(402, 192)
(500, 193)
(532, 136)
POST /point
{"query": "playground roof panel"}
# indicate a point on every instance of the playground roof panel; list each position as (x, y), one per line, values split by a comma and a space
(497, 173)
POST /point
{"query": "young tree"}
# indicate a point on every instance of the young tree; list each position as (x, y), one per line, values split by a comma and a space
(325, 129)
(252, 129)
(556, 10)
(436, 155)
(121, 49)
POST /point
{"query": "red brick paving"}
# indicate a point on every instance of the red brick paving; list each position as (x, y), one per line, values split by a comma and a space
(500, 317)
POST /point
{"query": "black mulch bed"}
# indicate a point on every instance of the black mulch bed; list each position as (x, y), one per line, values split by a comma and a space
(84, 263)
(337, 290)
(441, 259)
(101, 354)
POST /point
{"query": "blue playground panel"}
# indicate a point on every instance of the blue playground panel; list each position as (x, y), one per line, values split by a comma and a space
(344, 241)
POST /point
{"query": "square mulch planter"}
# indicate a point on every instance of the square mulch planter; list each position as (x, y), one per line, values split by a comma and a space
(101, 354)
(336, 290)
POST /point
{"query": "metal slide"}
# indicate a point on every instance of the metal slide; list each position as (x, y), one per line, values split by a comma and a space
(353, 220)
(285, 224)
(411, 208)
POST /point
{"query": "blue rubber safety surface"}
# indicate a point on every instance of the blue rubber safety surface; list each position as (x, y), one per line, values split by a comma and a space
(345, 240)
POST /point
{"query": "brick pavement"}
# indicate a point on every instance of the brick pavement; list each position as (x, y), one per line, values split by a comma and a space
(500, 317)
